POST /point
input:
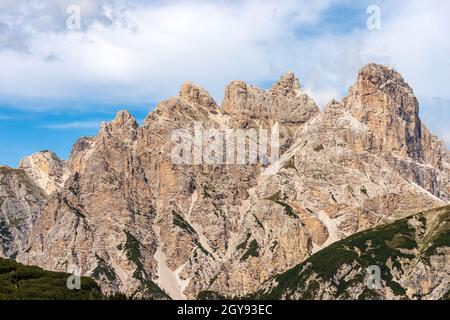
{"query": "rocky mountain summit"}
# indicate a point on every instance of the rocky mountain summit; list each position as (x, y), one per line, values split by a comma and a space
(47, 170)
(127, 215)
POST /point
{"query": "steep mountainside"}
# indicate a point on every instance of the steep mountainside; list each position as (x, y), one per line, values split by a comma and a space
(413, 255)
(21, 203)
(139, 223)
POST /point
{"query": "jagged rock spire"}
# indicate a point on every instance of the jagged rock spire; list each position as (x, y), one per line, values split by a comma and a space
(196, 94)
(284, 101)
(124, 118)
(383, 101)
(331, 181)
(288, 85)
(124, 126)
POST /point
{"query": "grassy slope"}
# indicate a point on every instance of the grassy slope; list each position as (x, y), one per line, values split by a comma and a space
(19, 282)
(392, 242)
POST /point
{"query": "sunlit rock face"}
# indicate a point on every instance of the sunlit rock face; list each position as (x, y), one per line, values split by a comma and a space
(138, 223)
(46, 170)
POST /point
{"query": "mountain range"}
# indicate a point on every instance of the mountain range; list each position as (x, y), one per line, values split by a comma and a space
(361, 183)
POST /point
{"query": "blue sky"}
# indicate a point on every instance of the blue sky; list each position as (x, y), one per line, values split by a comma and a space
(23, 132)
(59, 83)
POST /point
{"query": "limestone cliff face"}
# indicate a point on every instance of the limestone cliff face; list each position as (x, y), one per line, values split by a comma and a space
(246, 106)
(139, 223)
(21, 203)
(284, 102)
(46, 170)
(386, 105)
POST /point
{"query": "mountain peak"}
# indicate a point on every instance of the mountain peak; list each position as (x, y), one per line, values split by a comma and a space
(124, 118)
(284, 102)
(46, 169)
(124, 127)
(193, 93)
(382, 100)
(383, 78)
(376, 67)
(288, 85)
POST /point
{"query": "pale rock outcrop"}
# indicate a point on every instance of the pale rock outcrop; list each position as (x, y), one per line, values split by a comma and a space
(47, 170)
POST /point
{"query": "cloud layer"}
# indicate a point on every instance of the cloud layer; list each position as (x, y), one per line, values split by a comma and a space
(137, 51)
(145, 51)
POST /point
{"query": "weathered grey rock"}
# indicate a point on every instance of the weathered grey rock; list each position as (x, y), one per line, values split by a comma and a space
(21, 203)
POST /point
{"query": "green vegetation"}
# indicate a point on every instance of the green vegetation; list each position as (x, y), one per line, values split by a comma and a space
(210, 295)
(133, 252)
(103, 269)
(288, 210)
(258, 222)
(19, 282)
(253, 251)
(243, 244)
(7, 170)
(446, 295)
(179, 221)
(200, 247)
(73, 209)
(16, 222)
(383, 246)
(132, 249)
(274, 245)
(5, 236)
(364, 190)
(290, 164)
(332, 197)
(441, 236)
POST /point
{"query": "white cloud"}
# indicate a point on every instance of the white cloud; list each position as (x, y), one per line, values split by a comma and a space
(415, 40)
(446, 137)
(89, 124)
(156, 47)
(143, 51)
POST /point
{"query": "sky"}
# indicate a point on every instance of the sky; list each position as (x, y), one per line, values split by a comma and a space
(68, 65)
